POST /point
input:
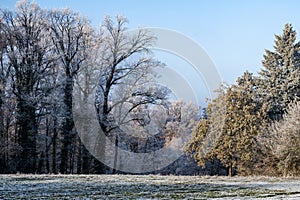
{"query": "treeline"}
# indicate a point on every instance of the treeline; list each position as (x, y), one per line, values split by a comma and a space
(253, 126)
(50, 57)
(42, 52)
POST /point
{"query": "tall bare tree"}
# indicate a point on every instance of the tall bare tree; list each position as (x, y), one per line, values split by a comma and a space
(4, 70)
(28, 52)
(70, 34)
(126, 66)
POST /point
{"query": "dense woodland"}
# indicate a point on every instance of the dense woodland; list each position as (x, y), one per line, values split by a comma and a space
(251, 128)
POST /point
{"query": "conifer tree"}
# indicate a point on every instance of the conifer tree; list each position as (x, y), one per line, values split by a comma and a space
(246, 119)
(279, 79)
(236, 145)
(208, 131)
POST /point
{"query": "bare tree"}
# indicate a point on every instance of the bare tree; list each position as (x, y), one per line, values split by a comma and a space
(85, 82)
(28, 53)
(126, 83)
(283, 141)
(70, 35)
(4, 71)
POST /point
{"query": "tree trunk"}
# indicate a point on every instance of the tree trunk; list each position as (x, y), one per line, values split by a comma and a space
(47, 146)
(67, 128)
(28, 130)
(1, 117)
(116, 154)
(79, 156)
(54, 144)
(2, 136)
(230, 170)
(86, 161)
(40, 163)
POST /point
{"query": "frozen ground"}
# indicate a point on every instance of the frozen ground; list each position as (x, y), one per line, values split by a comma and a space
(146, 187)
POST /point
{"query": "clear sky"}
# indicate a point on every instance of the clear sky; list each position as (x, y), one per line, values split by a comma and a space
(234, 33)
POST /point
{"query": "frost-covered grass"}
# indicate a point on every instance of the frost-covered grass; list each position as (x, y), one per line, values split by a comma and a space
(146, 187)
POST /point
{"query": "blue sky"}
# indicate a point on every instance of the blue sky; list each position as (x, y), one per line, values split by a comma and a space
(233, 33)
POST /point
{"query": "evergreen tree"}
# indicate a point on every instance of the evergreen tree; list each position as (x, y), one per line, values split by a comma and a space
(194, 147)
(235, 145)
(208, 131)
(244, 121)
(279, 81)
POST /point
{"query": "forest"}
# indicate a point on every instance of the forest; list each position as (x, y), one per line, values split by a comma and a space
(49, 56)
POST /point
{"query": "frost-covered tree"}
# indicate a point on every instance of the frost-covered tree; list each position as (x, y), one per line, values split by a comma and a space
(3, 72)
(71, 35)
(28, 53)
(278, 85)
(283, 141)
(236, 145)
(85, 82)
(279, 79)
(181, 119)
(206, 134)
(126, 84)
(8, 147)
(4, 69)
(244, 121)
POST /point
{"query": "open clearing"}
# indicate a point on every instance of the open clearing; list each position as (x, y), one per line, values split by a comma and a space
(146, 187)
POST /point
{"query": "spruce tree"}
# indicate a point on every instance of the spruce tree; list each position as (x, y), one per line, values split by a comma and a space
(279, 79)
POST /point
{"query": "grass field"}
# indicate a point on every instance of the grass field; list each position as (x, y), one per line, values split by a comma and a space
(146, 187)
